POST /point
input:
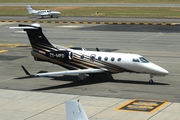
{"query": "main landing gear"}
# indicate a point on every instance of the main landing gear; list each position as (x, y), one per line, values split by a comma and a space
(151, 79)
(81, 77)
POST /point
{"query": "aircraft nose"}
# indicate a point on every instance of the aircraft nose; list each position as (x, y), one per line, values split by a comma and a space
(155, 69)
(160, 70)
(163, 71)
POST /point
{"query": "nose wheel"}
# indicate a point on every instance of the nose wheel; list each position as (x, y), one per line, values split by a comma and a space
(151, 79)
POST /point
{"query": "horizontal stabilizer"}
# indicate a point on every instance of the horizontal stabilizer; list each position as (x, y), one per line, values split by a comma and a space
(27, 73)
(32, 26)
(22, 28)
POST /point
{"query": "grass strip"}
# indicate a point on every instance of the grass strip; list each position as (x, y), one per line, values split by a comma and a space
(91, 1)
(151, 12)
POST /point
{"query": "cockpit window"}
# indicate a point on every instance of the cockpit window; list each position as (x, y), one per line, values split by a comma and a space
(142, 59)
(135, 60)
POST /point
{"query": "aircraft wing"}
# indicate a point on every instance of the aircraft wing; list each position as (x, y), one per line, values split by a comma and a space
(75, 111)
(69, 72)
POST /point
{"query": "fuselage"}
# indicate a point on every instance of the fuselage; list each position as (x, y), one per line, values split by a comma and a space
(122, 62)
(112, 62)
(45, 12)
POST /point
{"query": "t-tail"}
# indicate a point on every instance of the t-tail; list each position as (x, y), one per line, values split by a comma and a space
(75, 111)
(30, 10)
(41, 47)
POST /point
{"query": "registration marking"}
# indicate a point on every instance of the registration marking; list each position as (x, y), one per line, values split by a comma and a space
(142, 105)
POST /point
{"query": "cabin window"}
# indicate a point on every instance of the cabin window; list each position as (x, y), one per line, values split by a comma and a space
(106, 58)
(135, 60)
(92, 57)
(99, 58)
(82, 56)
(142, 59)
(119, 59)
(112, 59)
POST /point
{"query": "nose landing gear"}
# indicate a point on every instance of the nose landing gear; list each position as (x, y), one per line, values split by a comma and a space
(151, 80)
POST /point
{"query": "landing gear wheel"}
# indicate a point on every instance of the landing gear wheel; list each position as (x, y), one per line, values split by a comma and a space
(91, 76)
(151, 81)
(79, 79)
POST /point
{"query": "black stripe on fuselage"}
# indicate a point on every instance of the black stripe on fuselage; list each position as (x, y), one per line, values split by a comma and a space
(100, 64)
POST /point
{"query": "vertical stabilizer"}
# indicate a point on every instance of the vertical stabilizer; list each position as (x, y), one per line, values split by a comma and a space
(36, 37)
(74, 111)
(30, 10)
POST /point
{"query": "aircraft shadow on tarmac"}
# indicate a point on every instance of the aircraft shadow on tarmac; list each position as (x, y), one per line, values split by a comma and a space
(134, 28)
(88, 81)
(39, 17)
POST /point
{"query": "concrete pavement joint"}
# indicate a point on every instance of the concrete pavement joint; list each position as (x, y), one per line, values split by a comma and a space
(42, 112)
(47, 109)
(107, 108)
(160, 34)
(7, 79)
(159, 111)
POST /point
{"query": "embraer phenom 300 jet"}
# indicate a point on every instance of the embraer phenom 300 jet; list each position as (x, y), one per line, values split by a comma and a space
(83, 62)
(43, 12)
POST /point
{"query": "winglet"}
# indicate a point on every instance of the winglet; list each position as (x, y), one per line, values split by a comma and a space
(27, 73)
(74, 111)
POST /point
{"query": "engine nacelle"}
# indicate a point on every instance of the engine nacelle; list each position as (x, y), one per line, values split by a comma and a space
(61, 55)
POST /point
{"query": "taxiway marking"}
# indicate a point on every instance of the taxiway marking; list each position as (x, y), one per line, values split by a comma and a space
(11, 45)
(1, 51)
(142, 105)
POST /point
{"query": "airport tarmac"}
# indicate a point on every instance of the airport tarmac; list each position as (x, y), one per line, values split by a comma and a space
(159, 44)
(91, 19)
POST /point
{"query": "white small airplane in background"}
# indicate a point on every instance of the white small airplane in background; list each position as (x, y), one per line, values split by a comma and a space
(75, 111)
(83, 62)
(43, 12)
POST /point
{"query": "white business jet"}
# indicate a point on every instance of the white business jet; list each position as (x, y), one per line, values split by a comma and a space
(83, 62)
(43, 12)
